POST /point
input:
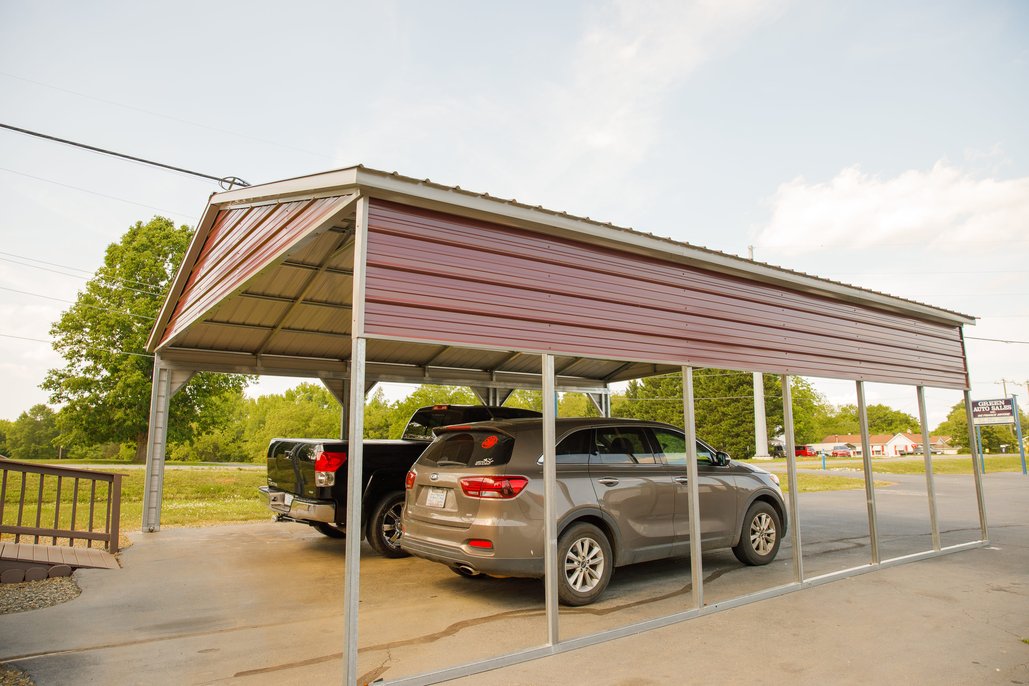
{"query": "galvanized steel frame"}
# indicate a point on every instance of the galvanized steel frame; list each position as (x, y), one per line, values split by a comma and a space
(555, 645)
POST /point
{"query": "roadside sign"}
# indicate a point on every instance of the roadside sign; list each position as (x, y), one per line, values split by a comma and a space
(990, 412)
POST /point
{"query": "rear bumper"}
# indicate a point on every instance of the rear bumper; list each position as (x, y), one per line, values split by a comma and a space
(300, 509)
(455, 555)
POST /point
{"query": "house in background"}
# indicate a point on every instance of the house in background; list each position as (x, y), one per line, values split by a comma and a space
(888, 445)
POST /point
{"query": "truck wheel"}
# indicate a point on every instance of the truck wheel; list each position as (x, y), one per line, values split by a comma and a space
(329, 530)
(384, 525)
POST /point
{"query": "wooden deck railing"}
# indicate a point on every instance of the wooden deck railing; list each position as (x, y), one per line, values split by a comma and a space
(31, 504)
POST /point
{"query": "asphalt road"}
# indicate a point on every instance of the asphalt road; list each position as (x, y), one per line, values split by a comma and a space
(261, 604)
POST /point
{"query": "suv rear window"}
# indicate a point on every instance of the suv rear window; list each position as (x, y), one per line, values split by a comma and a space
(483, 448)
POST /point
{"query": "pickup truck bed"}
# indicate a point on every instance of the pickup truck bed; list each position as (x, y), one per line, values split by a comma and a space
(307, 477)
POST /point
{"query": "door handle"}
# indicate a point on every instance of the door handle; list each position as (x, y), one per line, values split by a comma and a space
(681, 479)
(608, 481)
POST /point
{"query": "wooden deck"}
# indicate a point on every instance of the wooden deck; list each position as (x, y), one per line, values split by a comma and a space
(57, 555)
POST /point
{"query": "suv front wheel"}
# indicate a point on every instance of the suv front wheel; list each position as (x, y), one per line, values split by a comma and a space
(584, 563)
(759, 540)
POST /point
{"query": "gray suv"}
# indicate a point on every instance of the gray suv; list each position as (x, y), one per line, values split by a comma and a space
(474, 501)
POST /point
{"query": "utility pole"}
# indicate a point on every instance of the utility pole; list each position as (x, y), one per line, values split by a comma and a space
(760, 424)
(1004, 383)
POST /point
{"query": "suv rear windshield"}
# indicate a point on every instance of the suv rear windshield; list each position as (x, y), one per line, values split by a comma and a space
(425, 420)
(468, 449)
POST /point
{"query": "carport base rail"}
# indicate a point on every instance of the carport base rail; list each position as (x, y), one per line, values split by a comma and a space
(633, 629)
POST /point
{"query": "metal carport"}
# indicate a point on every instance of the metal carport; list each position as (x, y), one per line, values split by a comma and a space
(358, 276)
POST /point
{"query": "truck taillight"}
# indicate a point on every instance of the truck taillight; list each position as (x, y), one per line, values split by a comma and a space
(502, 487)
(325, 466)
(409, 481)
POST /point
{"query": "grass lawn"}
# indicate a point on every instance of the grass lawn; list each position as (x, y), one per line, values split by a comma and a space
(813, 483)
(942, 464)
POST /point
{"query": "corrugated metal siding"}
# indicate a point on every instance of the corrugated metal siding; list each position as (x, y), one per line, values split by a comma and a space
(436, 277)
(241, 243)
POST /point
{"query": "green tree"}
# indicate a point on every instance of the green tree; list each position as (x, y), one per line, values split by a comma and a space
(883, 419)
(378, 415)
(104, 385)
(224, 440)
(306, 411)
(724, 406)
(428, 395)
(33, 433)
(5, 431)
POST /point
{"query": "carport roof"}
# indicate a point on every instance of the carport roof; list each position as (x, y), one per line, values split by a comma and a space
(283, 307)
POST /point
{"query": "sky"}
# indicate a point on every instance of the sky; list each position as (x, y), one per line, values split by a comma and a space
(883, 144)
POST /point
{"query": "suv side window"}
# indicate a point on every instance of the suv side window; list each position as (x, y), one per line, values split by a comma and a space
(622, 445)
(673, 448)
(575, 448)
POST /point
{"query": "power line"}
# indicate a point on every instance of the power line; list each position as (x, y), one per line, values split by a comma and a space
(73, 276)
(166, 116)
(226, 182)
(77, 269)
(102, 195)
(73, 302)
(41, 340)
(995, 340)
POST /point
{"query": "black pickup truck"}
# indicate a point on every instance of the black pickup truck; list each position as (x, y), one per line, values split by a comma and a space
(307, 477)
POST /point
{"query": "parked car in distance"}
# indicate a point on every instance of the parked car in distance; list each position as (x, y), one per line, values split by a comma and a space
(805, 451)
(307, 477)
(475, 501)
(843, 451)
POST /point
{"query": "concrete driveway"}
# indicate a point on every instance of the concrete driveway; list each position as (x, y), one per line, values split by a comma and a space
(261, 604)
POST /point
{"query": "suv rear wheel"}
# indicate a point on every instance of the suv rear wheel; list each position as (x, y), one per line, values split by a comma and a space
(384, 525)
(759, 540)
(584, 562)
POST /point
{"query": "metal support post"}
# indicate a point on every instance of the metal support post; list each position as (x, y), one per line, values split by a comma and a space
(550, 561)
(693, 488)
(1018, 429)
(976, 475)
(760, 423)
(930, 486)
(866, 462)
(355, 450)
(166, 383)
(791, 476)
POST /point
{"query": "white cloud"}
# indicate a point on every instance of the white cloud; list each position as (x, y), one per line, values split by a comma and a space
(944, 207)
(601, 109)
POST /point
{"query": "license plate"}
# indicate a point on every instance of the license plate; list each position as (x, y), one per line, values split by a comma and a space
(288, 499)
(437, 497)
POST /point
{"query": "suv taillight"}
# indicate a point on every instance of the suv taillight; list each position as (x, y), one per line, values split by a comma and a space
(502, 487)
(325, 466)
(409, 481)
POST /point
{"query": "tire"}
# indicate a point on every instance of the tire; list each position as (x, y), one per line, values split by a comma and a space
(384, 525)
(330, 530)
(584, 564)
(760, 537)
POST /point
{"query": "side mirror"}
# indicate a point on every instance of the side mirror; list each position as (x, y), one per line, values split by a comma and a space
(722, 459)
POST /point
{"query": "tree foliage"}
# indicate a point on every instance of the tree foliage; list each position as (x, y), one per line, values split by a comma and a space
(724, 405)
(105, 383)
(32, 434)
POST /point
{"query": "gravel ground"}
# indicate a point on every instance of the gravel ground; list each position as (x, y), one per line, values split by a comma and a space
(33, 595)
(12, 676)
